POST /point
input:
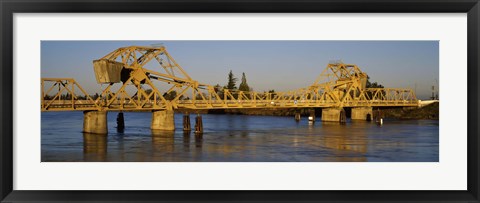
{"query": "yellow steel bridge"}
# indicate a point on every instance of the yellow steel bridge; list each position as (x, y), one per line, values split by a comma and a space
(131, 85)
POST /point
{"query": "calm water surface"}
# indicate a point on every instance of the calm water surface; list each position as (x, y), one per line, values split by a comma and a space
(239, 138)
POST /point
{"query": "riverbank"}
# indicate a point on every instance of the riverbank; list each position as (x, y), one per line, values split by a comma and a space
(427, 112)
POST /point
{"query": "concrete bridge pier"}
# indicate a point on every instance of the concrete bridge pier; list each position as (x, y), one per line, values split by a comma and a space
(95, 122)
(333, 114)
(362, 113)
(163, 120)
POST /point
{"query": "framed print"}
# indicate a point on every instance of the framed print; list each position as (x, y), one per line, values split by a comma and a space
(200, 101)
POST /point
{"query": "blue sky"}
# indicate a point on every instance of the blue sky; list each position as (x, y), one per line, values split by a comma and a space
(279, 65)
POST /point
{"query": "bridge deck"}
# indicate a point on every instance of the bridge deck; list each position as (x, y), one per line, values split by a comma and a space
(85, 105)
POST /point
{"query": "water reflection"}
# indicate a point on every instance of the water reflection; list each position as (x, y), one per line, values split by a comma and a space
(163, 141)
(348, 144)
(186, 140)
(234, 138)
(198, 140)
(94, 147)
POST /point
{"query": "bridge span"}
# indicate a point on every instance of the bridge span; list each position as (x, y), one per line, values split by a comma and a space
(131, 85)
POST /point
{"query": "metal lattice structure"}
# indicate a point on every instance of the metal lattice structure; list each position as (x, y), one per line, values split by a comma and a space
(141, 78)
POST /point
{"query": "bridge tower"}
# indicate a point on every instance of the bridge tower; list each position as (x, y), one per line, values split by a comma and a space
(345, 85)
(128, 66)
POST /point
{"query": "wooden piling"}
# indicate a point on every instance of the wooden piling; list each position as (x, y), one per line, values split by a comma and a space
(198, 124)
(312, 115)
(297, 116)
(120, 122)
(369, 117)
(343, 117)
(378, 116)
(186, 122)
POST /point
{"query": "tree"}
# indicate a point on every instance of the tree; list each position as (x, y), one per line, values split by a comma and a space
(170, 95)
(66, 96)
(373, 85)
(369, 84)
(272, 93)
(148, 91)
(243, 85)
(219, 90)
(199, 96)
(232, 80)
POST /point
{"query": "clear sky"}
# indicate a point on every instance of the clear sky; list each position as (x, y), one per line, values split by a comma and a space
(279, 65)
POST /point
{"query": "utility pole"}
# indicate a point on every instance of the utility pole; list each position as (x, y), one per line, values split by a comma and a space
(433, 93)
(415, 87)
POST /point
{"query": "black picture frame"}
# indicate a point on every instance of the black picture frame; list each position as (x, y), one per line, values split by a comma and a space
(10, 7)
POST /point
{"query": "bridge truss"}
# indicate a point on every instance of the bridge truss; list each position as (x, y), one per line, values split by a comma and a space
(144, 78)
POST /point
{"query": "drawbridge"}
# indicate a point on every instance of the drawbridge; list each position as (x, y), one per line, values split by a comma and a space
(140, 78)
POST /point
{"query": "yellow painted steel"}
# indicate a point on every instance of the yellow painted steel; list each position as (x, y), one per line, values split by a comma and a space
(339, 85)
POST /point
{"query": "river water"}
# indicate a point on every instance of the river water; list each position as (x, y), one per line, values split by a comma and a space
(239, 138)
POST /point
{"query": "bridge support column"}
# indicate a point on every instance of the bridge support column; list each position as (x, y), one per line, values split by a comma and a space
(297, 116)
(186, 122)
(163, 120)
(95, 122)
(311, 116)
(378, 116)
(362, 113)
(332, 114)
(120, 122)
(198, 124)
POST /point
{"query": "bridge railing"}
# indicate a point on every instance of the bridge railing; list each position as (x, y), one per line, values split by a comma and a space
(63, 94)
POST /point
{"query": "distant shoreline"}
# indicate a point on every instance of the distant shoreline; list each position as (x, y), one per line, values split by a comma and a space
(430, 112)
